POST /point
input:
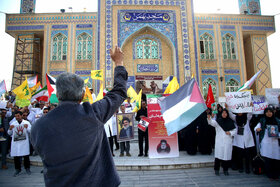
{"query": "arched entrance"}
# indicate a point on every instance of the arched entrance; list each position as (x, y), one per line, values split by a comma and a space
(150, 57)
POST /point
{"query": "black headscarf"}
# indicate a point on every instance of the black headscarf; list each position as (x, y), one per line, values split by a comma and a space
(226, 123)
(271, 120)
(241, 120)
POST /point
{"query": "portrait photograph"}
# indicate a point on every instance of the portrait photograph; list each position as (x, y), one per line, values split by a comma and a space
(125, 126)
(273, 130)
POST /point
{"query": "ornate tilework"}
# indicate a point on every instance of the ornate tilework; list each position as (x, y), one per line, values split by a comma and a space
(250, 28)
(209, 71)
(82, 26)
(83, 72)
(55, 32)
(27, 6)
(227, 27)
(205, 26)
(250, 6)
(56, 72)
(182, 4)
(59, 26)
(78, 32)
(147, 36)
(147, 67)
(26, 27)
(231, 71)
(261, 63)
(235, 77)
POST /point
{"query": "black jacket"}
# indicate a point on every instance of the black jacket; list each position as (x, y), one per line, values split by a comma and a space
(72, 142)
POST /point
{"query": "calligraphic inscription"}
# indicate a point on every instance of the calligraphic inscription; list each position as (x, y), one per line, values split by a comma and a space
(146, 17)
(147, 67)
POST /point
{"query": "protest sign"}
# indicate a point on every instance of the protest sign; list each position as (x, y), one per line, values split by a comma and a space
(239, 102)
(259, 104)
(160, 144)
(272, 95)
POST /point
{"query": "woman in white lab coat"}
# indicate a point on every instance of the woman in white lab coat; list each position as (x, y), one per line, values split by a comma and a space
(243, 141)
(111, 131)
(269, 146)
(225, 130)
(19, 130)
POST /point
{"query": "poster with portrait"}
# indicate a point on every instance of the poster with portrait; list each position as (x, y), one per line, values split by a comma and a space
(160, 144)
(19, 133)
(214, 108)
(273, 131)
(125, 124)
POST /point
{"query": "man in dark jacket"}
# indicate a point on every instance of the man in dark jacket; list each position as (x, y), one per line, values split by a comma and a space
(4, 126)
(71, 139)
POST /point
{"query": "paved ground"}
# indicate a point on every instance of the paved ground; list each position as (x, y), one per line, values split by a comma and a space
(184, 177)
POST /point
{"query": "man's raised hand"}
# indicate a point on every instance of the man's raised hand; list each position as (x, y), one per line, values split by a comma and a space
(117, 56)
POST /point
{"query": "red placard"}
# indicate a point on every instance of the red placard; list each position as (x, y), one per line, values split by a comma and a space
(160, 144)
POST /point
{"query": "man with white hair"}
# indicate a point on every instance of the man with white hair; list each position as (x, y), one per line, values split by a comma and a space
(71, 139)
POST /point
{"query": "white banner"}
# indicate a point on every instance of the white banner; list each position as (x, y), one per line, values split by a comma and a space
(272, 95)
(259, 104)
(239, 102)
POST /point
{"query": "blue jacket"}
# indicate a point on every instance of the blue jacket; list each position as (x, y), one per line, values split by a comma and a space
(72, 142)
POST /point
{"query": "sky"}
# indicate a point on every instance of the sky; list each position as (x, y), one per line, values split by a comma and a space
(268, 7)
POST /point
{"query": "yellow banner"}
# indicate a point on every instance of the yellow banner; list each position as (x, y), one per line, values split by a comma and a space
(23, 91)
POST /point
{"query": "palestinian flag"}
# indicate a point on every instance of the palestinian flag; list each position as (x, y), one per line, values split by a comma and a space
(41, 95)
(249, 83)
(51, 88)
(182, 107)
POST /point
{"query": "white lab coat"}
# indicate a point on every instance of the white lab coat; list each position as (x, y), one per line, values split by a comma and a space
(269, 145)
(246, 140)
(223, 142)
(21, 147)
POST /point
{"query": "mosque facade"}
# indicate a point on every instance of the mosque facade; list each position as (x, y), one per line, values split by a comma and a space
(160, 39)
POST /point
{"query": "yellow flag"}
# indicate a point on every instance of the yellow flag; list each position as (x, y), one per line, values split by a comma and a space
(22, 102)
(100, 94)
(172, 86)
(34, 89)
(97, 74)
(86, 80)
(23, 91)
(192, 76)
(88, 96)
(132, 94)
(138, 102)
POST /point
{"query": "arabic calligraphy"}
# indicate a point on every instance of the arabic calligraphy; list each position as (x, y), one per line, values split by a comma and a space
(146, 17)
(147, 67)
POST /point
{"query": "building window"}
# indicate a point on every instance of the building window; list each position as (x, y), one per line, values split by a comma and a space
(232, 85)
(206, 47)
(147, 49)
(59, 47)
(229, 52)
(205, 86)
(84, 47)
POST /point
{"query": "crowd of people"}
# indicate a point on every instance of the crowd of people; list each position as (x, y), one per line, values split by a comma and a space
(234, 137)
(15, 128)
(237, 139)
(82, 136)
